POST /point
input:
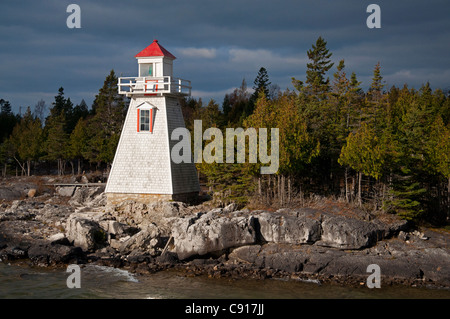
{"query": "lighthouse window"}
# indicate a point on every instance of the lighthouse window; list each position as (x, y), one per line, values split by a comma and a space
(145, 120)
(150, 70)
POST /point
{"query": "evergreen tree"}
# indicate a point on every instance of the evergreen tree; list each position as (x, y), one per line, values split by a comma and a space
(80, 111)
(7, 120)
(261, 85)
(375, 105)
(211, 115)
(5, 107)
(365, 154)
(226, 107)
(57, 141)
(7, 152)
(406, 196)
(316, 80)
(27, 138)
(239, 99)
(191, 109)
(105, 126)
(78, 142)
(62, 105)
(437, 161)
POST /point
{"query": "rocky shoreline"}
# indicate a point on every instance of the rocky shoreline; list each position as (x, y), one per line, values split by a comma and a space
(56, 227)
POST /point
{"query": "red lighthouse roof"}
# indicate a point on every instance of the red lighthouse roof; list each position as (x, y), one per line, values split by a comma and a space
(155, 49)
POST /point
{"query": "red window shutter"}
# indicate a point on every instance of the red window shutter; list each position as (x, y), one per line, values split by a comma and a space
(151, 120)
(138, 118)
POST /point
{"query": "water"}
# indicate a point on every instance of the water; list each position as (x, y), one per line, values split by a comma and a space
(105, 282)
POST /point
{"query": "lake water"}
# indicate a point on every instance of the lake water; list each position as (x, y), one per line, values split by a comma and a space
(104, 282)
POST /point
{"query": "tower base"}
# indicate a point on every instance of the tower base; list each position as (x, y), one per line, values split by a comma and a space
(118, 198)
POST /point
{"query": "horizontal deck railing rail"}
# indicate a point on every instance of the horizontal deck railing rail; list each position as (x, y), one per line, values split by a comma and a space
(153, 85)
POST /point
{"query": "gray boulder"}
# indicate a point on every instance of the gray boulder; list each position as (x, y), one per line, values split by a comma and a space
(211, 233)
(66, 191)
(245, 254)
(113, 227)
(10, 193)
(283, 228)
(84, 232)
(348, 233)
(88, 196)
(148, 240)
(51, 253)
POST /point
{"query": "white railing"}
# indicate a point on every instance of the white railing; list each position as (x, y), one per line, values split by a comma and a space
(153, 85)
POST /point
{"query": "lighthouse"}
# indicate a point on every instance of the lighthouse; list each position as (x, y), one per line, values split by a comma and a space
(142, 169)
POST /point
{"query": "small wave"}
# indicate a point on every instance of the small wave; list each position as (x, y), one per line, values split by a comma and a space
(116, 272)
(314, 281)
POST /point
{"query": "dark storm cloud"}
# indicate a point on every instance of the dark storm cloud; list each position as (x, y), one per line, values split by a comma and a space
(217, 43)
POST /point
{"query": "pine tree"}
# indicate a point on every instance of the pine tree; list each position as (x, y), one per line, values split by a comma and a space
(7, 120)
(5, 107)
(261, 85)
(406, 196)
(80, 111)
(105, 126)
(226, 107)
(316, 80)
(62, 105)
(375, 100)
(437, 161)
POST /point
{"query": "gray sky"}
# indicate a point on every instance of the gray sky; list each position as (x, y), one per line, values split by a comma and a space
(217, 43)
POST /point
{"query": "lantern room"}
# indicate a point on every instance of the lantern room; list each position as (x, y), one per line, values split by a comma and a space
(155, 61)
(155, 75)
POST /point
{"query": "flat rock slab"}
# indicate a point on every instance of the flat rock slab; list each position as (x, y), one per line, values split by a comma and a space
(348, 233)
(284, 228)
(210, 233)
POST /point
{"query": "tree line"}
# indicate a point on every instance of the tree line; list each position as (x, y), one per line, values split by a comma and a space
(75, 135)
(381, 149)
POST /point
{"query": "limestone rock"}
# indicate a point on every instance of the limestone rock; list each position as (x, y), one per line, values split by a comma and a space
(210, 232)
(84, 232)
(58, 238)
(246, 254)
(147, 240)
(113, 227)
(47, 254)
(283, 228)
(86, 195)
(10, 193)
(65, 190)
(347, 233)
